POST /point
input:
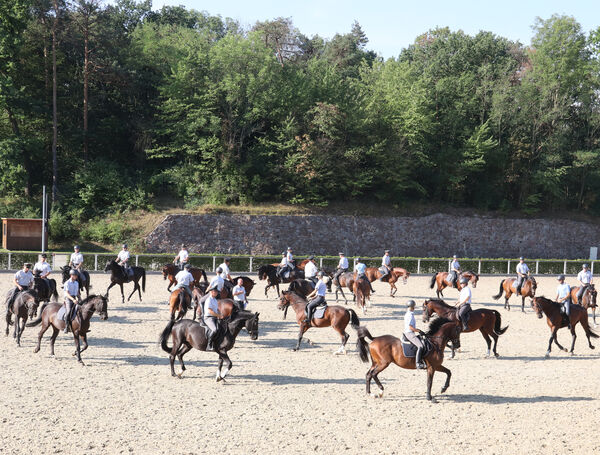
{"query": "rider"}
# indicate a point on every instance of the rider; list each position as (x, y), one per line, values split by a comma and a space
(239, 294)
(283, 265)
(76, 262)
(228, 281)
(522, 274)
(217, 281)
(22, 280)
(316, 298)
(563, 296)
(123, 260)
(464, 303)
(310, 270)
(454, 271)
(182, 257)
(184, 278)
(585, 279)
(361, 272)
(43, 268)
(210, 313)
(412, 333)
(342, 267)
(71, 288)
(290, 258)
(386, 265)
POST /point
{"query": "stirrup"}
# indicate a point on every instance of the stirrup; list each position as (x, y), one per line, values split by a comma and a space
(421, 365)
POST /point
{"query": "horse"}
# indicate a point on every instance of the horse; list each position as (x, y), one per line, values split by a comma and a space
(269, 272)
(362, 290)
(557, 320)
(346, 279)
(227, 307)
(588, 299)
(45, 288)
(24, 307)
(188, 334)
(507, 286)
(117, 276)
(387, 349)
(442, 282)
(83, 284)
(170, 270)
(488, 322)
(373, 273)
(80, 324)
(179, 300)
(335, 316)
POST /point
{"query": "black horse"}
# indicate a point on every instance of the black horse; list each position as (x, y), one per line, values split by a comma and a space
(83, 283)
(24, 307)
(269, 272)
(118, 275)
(188, 334)
(45, 288)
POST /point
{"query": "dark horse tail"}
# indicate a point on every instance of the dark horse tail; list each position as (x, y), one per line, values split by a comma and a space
(55, 292)
(361, 344)
(498, 324)
(165, 335)
(354, 321)
(497, 296)
(204, 275)
(39, 318)
(432, 282)
(143, 280)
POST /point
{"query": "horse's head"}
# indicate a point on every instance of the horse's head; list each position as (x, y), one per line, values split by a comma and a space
(165, 271)
(31, 303)
(455, 329)
(252, 326)
(284, 300)
(405, 276)
(474, 279)
(427, 310)
(593, 293)
(533, 284)
(101, 306)
(262, 272)
(109, 266)
(536, 304)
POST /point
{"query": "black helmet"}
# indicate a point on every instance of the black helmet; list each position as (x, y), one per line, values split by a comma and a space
(226, 259)
(124, 245)
(213, 288)
(27, 264)
(219, 270)
(76, 247)
(454, 256)
(386, 251)
(320, 273)
(187, 266)
(311, 257)
(357, 259)
(410, 304)
(44, 255)
(585, 266)
(521, 258)
(464, 280)
(341, 254)
(561, 277)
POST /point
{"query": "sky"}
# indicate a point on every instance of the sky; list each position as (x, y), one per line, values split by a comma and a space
(393, 25)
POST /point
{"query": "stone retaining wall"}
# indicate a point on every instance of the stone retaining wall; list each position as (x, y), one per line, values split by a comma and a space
(437, 235)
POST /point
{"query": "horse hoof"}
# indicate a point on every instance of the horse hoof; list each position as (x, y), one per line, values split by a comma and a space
(547, 355)
(180, 375)
(219, 378)
(565, 350)
(81, 363)
(496, 355)
(444, 389)
(572, 354)
(592, 347)
(377, 394)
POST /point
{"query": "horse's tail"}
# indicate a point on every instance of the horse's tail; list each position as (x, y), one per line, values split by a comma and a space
(361, 344)
(39, 318)
(54, 291)
(182, 303)
(165, 335)
(204, 275)
(354, 321)
(497, 326)
(143, 280)
(497, 296)
(432, 282)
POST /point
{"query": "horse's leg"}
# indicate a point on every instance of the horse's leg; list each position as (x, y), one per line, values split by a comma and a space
(8, 320)
(594, 315)
(55, 332)
(228, 366)
(17, 334)
(430, 372)
(573, 337)
(487, 340)
(40, 335)
(278, 294)
(495, 337)
(110, 286)
(345, 336)
(556, 340)
(85, 342)
(219, 366)
(523, 304)
(172, 355)
(373, 373)
(77, 348)
(303, 328)
(185, 348)
(443, 369)
(139, 288)
(135, 288)
(393, 289)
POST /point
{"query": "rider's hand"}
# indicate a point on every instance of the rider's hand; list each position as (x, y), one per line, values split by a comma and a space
(421, 332)
(20, 288)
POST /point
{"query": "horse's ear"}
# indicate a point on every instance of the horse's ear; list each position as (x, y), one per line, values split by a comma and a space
(256, 314)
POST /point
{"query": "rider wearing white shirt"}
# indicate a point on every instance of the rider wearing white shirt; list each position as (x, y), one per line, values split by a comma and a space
(22, 280)
(123, 260)
(563, 296)
(342, 267)
(411, 331)
(217, 281)
(310, 270)
(225, 267)
(522, 272)
(454, 271)
(386, 265)
(71, 289)
(239, 294)
(464, 303)
(361, 272)
(42, 267)
(210, 313)
(184, 279)
(585, 279)
(182, 257)
(76, 262)
(315, 298)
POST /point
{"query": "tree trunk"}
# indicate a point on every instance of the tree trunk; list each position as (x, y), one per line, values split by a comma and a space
(54, 111)
(86, 61)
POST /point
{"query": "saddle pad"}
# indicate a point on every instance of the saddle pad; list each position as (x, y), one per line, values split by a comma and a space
(383, 270)
(410, 350)
(63, 310)
(319, 312)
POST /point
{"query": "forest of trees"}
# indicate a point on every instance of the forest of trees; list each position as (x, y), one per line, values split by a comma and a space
(110, 105)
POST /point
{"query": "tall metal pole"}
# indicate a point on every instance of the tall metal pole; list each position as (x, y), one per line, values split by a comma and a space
(44, 208)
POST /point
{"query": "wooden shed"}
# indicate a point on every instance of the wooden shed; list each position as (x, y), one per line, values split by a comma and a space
(22, 234)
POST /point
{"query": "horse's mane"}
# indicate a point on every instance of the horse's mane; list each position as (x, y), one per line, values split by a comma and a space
(471, 273)
(435, 325)
(93, 296)
(541, 297)
(441, 302)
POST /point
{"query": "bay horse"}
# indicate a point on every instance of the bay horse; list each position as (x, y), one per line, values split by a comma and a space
(588, 299)
(373, 273)
(83, 283)
(508, 287)
(269, 272)
(335, 316)
(117, 276)
(187, 334)
(80, 324)
(179, 300)
(441, 279)
(557, 320)
(387, 349)
(46, 290)
(488, 322)
(227, 307)
(362, 290)
(346, 279)
(24, 307)
(170, 270)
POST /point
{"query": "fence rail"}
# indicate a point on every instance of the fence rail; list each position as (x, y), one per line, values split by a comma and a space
(250, 264)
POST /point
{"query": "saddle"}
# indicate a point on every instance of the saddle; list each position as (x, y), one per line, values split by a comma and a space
(319, 311)
(63, 310)
(383, 270)
(410, 350)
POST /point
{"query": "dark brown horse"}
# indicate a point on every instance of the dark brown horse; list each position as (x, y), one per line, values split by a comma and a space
(387, 349)
(362, 291)
(187, 334)
(345, 280)
(488, 322)
(508, 287)
(45, 288)
(396, 273)
(269, 272)
(80, 325)
(441, 279)
(557, 320)
(170, 270)
(588, 299)
(335, 316)
(179, 300)
(24, 307)
(117, 276)
(83, 278)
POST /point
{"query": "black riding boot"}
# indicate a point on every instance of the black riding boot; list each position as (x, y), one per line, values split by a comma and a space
(419, 360)
(308, 317)
(211, 341)
(371, 286)
(465, 324)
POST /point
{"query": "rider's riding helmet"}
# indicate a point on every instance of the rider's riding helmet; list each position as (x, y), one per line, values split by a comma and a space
(187, 266)
(386, 252)
(72, 272)
(183, 246)
(226, 260)
(27, 265)
(76, 247)
(213, 288)
(219, 270)
(454, 256)
(311, 258)
(410, 304)
(585, 266)
(464, 280)
(521, 258)
(561, 277)
(341, 254)
(289, 248)
(44, 255)
(320, 273)
(125, 245)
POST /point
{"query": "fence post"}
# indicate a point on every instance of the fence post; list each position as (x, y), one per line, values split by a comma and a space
(565, 268)
(214, 264)
(449, 265)
(9, 259)
(592, 267)
(537, 267)
(418, 266)
(479, 267)
(250, 269)
(508, 268)
(136, 260)
(321, 263)
(95, 263)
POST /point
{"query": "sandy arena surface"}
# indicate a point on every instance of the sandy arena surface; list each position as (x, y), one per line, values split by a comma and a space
(279, 401)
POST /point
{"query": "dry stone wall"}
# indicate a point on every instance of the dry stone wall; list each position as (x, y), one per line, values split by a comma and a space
(437, 235)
